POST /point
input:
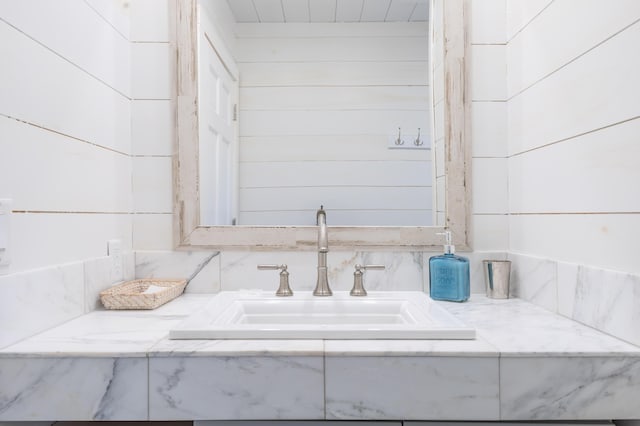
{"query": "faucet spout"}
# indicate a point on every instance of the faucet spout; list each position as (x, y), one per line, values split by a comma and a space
(321, 221)
(322, 284)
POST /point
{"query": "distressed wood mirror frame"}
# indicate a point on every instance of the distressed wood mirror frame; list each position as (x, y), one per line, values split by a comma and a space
(188, 234)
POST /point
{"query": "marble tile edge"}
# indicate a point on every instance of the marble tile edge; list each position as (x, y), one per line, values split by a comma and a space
(235, 354)
(588, 301)
(165, 348)
(408, 354)
(5, 354)
(44, 269)
(571, 263)
(565, 355)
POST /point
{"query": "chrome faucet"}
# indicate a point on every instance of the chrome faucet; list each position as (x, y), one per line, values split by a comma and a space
(322, 285)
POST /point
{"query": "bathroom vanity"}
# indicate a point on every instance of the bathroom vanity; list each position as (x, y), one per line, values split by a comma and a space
(525, 363)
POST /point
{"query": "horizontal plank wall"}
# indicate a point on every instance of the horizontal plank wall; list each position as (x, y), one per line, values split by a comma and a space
(574, 118)
(487, 31)
(318, 97)
(151, 124)
(65, 126)
(65, 158)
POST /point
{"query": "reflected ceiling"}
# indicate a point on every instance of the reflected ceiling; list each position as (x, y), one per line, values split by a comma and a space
(248, 11)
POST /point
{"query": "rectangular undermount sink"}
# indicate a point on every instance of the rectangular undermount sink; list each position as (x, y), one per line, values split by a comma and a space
(380, 315)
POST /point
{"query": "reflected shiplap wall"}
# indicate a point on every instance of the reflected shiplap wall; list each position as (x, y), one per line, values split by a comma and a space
(319, 104)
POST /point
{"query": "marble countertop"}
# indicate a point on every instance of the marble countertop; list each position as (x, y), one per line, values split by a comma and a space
(505, 328)
(526, 363)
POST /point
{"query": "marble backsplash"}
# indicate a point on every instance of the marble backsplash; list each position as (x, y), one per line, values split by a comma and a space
(63, 292)
(200, 268)
(234, 270)
(57, 294)
(606, 300)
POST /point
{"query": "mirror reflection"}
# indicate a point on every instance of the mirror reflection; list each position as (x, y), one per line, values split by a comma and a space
(294, 114)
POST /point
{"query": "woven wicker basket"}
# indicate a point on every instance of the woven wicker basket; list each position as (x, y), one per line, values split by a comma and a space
(131, 294)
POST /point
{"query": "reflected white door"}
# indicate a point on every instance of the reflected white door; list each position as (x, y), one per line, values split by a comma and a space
(218, 95)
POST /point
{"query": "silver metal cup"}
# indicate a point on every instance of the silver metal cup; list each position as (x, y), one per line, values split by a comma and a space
(496, 278)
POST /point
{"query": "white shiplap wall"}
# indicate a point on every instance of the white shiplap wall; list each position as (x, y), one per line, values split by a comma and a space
(152, 122)
(65, 139)
(317, 97)
(487, 81)
(574, 120)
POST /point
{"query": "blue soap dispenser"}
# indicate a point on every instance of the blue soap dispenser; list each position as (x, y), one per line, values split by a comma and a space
(449, 274)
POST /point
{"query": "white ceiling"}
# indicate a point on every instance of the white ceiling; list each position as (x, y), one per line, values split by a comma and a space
(330, 10)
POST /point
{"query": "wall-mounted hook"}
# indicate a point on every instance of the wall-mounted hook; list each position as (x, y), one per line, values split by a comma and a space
(418, 141)
(399, 141)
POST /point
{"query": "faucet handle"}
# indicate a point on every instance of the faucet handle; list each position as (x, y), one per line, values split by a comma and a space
(283, 289)
(358, 287)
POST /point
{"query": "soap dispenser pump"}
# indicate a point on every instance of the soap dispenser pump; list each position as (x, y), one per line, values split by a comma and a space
(449, 274)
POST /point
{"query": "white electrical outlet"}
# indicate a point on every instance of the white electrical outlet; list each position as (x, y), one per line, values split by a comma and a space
(5, 228)
(114, 251)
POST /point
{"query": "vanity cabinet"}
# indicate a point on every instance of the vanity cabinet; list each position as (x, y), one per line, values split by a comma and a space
(236, 387)
(526, 364)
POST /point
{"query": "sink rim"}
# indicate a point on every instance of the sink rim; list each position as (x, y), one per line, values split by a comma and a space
(242, 310)
(430, 320)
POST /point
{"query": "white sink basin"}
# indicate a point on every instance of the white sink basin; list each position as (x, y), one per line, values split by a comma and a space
(380, 315)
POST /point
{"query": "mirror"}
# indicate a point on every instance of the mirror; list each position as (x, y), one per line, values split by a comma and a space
(450, 165)
(333, 113)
